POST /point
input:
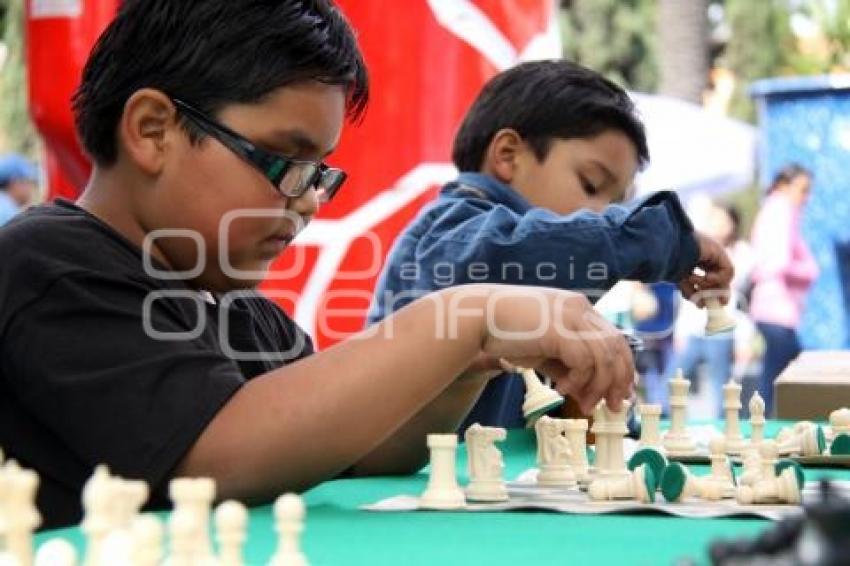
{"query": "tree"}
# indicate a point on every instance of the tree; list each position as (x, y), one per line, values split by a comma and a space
(761, 44)
(15, 122)
(683, 51)
(612, 37)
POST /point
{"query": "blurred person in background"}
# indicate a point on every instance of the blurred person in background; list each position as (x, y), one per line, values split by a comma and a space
(18, 185)
(728, 354)
(783, 271)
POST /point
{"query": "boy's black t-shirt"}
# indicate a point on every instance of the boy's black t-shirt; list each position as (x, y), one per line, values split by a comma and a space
(85, 378)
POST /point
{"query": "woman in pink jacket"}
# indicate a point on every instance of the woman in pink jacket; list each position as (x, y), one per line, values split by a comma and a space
(784, 270)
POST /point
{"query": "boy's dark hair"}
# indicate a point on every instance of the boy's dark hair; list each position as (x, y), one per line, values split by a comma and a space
(543, 100)
(213, 53)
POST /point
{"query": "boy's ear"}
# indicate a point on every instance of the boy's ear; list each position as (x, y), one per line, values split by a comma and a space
(148, 116)
(501, 157)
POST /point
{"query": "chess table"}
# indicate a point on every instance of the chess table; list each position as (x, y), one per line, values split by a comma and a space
(339, 533)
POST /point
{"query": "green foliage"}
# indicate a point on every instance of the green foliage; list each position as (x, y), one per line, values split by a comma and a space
(761, 45)
(15, 123)
(833, 19)
(613, 37)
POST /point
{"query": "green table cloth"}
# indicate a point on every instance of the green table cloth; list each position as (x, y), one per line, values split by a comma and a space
(338, 533)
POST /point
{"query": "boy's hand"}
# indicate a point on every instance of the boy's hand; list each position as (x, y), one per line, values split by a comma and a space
(566, 339)
(717, 272)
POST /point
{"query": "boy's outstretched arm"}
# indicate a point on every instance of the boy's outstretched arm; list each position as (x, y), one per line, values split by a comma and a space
(309, 421)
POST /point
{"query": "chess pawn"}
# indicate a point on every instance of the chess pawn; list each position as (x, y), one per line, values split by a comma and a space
(289, 515)
(752, 467)
(539, 399)
(757, 421)
(231, 520)
(553, 454)
(722, 472)
(576, 431)
(839, 423)
(783, 488)
(443, 491)
(485, 464)
(719, 320)
(732, 406)
(56, 552)
(147, 535)
(639, 485)
(677, 441)
(809, 441)
(650, 426)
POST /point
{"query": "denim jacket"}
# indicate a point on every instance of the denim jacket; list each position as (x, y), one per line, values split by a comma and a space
(480, 230)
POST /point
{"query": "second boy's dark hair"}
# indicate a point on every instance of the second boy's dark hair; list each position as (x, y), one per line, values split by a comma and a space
(212, 53)
(542, 101)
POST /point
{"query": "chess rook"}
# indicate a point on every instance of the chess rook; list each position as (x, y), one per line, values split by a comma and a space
(650, 426)
(677, 441)
(443, 491)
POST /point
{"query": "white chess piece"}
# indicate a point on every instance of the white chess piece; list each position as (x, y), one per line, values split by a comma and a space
(678, 484)
(783, 488)
(721, 468)
(196, 496)
(148, 536)
(839, 422)
(757, 421)
(638, 485)
(22, 516)
(615, 429)
(485, 464)
(289, 515)
(731, 407)
(576, 431)
(650, 426)
(553, 453)
(601, 439)
(231, 521)
(718, 319)
(183, 529)
(677, 441)
(539, 399)
(98, 513)
(117, 549)
(805, 441)
(56, 552)
(443, 491)
(751, 472)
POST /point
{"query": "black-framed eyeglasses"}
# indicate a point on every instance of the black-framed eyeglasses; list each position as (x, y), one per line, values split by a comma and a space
(291, 177)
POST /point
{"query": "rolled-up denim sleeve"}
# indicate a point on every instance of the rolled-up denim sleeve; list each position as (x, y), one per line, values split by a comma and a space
(651, 240)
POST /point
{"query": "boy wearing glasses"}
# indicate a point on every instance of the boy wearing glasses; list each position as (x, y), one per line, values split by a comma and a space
(130, 332)
(544, 150)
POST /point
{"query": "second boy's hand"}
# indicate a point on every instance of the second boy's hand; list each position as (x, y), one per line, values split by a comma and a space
(717, 274)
